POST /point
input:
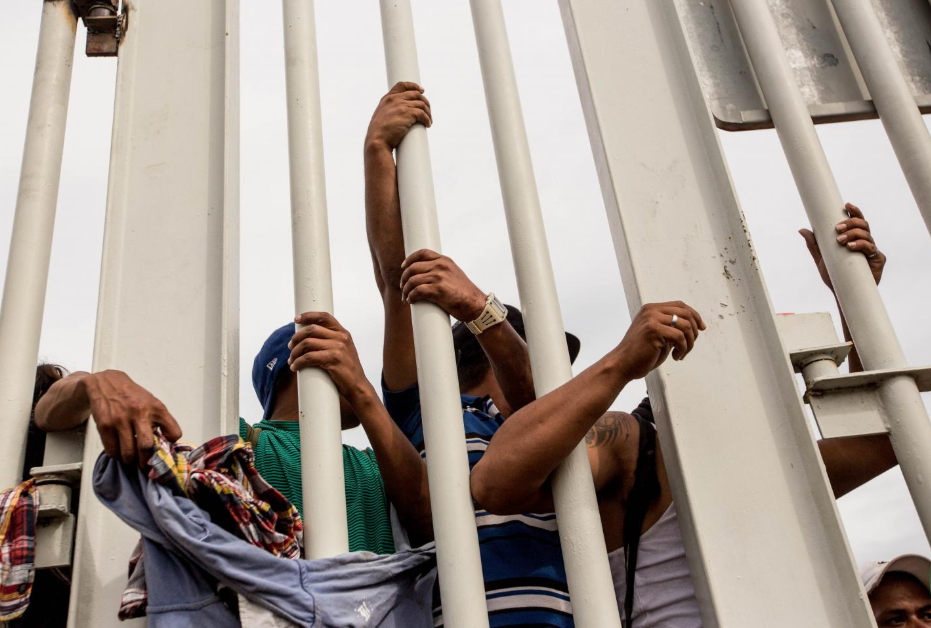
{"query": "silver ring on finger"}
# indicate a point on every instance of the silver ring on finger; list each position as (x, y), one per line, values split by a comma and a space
(675, 320)
(873, 255)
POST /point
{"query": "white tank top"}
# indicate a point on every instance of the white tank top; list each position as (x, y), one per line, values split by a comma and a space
(663, 593)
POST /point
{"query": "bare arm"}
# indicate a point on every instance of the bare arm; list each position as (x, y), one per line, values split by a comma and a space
(326, 344)
(65, 406)
(513, 473)
(404, 106)
(402, 469)
(852, 462)
(396, 113)
(126, 413)
(510, 359)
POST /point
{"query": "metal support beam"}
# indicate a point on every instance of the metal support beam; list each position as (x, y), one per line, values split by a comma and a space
(891, 95)
(321, 437)
(168, 310)
(731, 423)
(460, 568)
(31, 241)
(856, 290)
(580, 531)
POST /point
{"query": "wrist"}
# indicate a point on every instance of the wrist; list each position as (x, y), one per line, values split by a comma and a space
(616, 366)
(375, 146)
(473, 306)
(84, 385)
(361, 396)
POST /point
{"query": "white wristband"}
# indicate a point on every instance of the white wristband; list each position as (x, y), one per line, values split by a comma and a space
(494, 313)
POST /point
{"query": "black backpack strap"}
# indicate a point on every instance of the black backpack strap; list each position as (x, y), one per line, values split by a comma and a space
(644, 491)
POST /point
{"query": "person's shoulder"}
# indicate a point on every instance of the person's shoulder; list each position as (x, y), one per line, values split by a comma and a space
(365, 458)
(614, 430)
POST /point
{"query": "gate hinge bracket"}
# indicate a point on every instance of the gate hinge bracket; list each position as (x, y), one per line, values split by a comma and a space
(844, 404)
(105, 26)
(56, 520)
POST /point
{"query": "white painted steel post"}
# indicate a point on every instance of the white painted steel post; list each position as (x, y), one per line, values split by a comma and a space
(460, 568)
(891, 96)
(31, 241)
(859, 298)
(323, 484)
(580, 532)
(168, 309)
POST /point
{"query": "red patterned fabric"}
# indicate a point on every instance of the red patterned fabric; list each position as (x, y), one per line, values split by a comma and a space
(19, 508)
(220, 477)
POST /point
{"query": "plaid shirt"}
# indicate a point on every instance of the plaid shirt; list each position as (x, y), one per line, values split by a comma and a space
(220, 477)
(19, 508)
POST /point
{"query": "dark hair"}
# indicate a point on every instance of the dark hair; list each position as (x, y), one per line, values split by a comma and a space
(282, 382)
(471, 365)
(46, 375)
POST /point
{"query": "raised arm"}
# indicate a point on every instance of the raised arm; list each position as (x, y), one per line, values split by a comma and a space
(429, 276)
(326, 344)
(125, 413)
(852, 462)
(513, 475)
(401, 108)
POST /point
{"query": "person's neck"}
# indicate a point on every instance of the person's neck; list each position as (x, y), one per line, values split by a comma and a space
(285, 412)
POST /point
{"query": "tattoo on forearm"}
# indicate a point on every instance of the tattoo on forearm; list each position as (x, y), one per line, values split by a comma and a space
(607, 431)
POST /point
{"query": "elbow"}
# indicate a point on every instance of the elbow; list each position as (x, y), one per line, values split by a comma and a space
(493, 493)
(420, 530)
(388, 280)
(416, 516)
(41, 418)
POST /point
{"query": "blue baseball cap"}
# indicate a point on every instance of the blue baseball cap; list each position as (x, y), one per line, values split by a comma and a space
(270, 361)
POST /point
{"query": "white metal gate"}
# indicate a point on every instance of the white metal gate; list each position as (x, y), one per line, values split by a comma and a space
(168, 309)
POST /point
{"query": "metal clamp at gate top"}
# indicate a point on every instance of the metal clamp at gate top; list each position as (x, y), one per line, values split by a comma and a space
(56, 521)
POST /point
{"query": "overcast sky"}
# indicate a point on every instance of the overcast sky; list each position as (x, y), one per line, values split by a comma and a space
(879, 518)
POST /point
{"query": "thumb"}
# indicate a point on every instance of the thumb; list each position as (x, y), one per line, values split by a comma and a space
(812, 244)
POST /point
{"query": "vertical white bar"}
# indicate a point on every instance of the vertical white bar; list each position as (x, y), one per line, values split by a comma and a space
(229, 305)
(891, 95)
(580, 531)
(168, 311)
(460, 569)
(321, 439)
(859, 298)
(31, 241)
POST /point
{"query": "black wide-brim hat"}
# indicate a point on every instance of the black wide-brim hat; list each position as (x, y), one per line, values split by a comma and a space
(463, 338)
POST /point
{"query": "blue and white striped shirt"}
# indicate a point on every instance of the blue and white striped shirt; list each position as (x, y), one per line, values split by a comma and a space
(525, 578)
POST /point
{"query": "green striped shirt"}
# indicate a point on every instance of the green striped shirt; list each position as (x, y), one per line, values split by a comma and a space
(278, 460)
